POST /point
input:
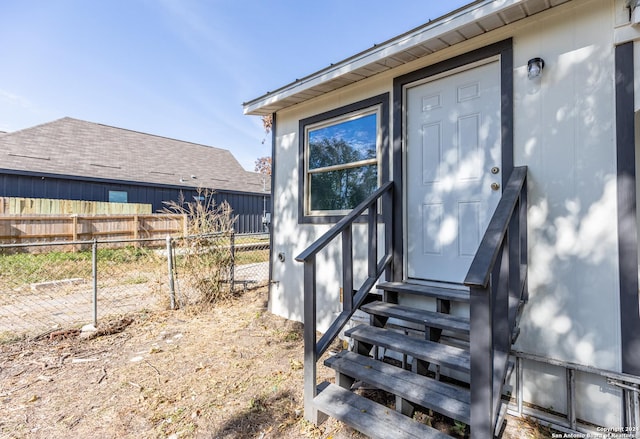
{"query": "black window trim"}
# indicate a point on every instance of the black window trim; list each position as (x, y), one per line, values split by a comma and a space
(381, 101)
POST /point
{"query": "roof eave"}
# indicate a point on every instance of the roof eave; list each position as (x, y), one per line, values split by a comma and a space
(476, 18)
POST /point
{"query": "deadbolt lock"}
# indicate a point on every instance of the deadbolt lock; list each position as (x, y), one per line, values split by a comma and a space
(495, 186)
(495, 170)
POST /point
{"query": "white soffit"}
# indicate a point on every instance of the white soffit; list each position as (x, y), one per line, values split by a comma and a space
(474, 19)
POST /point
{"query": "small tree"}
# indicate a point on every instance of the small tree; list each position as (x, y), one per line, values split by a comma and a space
(267, 124)
(263, 165)
(205, 251)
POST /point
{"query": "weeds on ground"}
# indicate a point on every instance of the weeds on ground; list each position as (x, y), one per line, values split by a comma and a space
(205, 253)
(530, 428)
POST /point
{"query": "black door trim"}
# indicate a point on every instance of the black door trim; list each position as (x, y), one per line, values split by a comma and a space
(505, 50)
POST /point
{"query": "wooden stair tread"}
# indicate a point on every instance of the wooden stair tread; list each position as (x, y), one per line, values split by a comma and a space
(443, 355)
(371, 418)
(461, 295)
(428, 318)
(446, 399)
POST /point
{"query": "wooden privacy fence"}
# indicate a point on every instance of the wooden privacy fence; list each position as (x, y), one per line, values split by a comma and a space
(16, 229)
(46, 206)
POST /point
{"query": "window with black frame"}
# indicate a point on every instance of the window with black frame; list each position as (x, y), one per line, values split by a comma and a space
(342, 163)
(341, 158)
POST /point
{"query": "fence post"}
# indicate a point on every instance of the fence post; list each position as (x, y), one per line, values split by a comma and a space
(74, 231)
(74, 227)
(172, 289)
(136, 229)
(232, 249)
(94, 268)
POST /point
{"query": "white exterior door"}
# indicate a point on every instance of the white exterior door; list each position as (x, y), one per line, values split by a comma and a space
(453, 165)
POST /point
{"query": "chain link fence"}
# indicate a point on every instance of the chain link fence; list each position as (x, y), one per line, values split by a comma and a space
(51, 286)
(207, 267)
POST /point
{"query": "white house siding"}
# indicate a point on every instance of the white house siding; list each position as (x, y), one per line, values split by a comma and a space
(291, 238)
(564, 131)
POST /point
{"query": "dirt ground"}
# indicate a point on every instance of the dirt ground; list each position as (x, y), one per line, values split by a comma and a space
(231, 371)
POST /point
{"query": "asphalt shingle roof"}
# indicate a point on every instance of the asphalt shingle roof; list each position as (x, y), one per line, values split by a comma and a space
(72, 147)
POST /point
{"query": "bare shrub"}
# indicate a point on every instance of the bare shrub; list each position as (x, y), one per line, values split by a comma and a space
(205, 253)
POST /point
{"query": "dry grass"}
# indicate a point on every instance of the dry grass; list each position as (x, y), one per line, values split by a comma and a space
(229, 371)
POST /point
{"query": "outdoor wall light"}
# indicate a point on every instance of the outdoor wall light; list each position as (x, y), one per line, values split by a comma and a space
(534, 67)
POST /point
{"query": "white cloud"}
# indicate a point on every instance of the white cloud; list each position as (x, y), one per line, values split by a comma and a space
(14, 99)
(18, 112)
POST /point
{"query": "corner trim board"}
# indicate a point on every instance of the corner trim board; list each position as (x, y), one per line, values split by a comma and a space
(626, 199)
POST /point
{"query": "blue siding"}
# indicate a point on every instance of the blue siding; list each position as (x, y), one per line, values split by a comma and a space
(247, 206)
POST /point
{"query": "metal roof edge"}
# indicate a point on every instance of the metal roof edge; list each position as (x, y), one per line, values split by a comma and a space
(451, 21)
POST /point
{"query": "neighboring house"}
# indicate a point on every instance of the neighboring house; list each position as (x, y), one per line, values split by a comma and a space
(452, 113)
(77, 160)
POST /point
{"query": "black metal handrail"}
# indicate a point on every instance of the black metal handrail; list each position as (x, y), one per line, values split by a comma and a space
(497, 280)
(350, 301)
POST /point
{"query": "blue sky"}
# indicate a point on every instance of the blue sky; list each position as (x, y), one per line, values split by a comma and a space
(359, 133)
(180, 68)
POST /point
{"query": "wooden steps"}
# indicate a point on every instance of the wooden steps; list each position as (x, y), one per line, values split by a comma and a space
(425, 350)
(447, 399)
(429, 319)
(371, 418)
(457, 295)
(435, 341)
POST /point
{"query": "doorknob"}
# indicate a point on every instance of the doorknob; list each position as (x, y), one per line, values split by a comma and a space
(495, 186)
